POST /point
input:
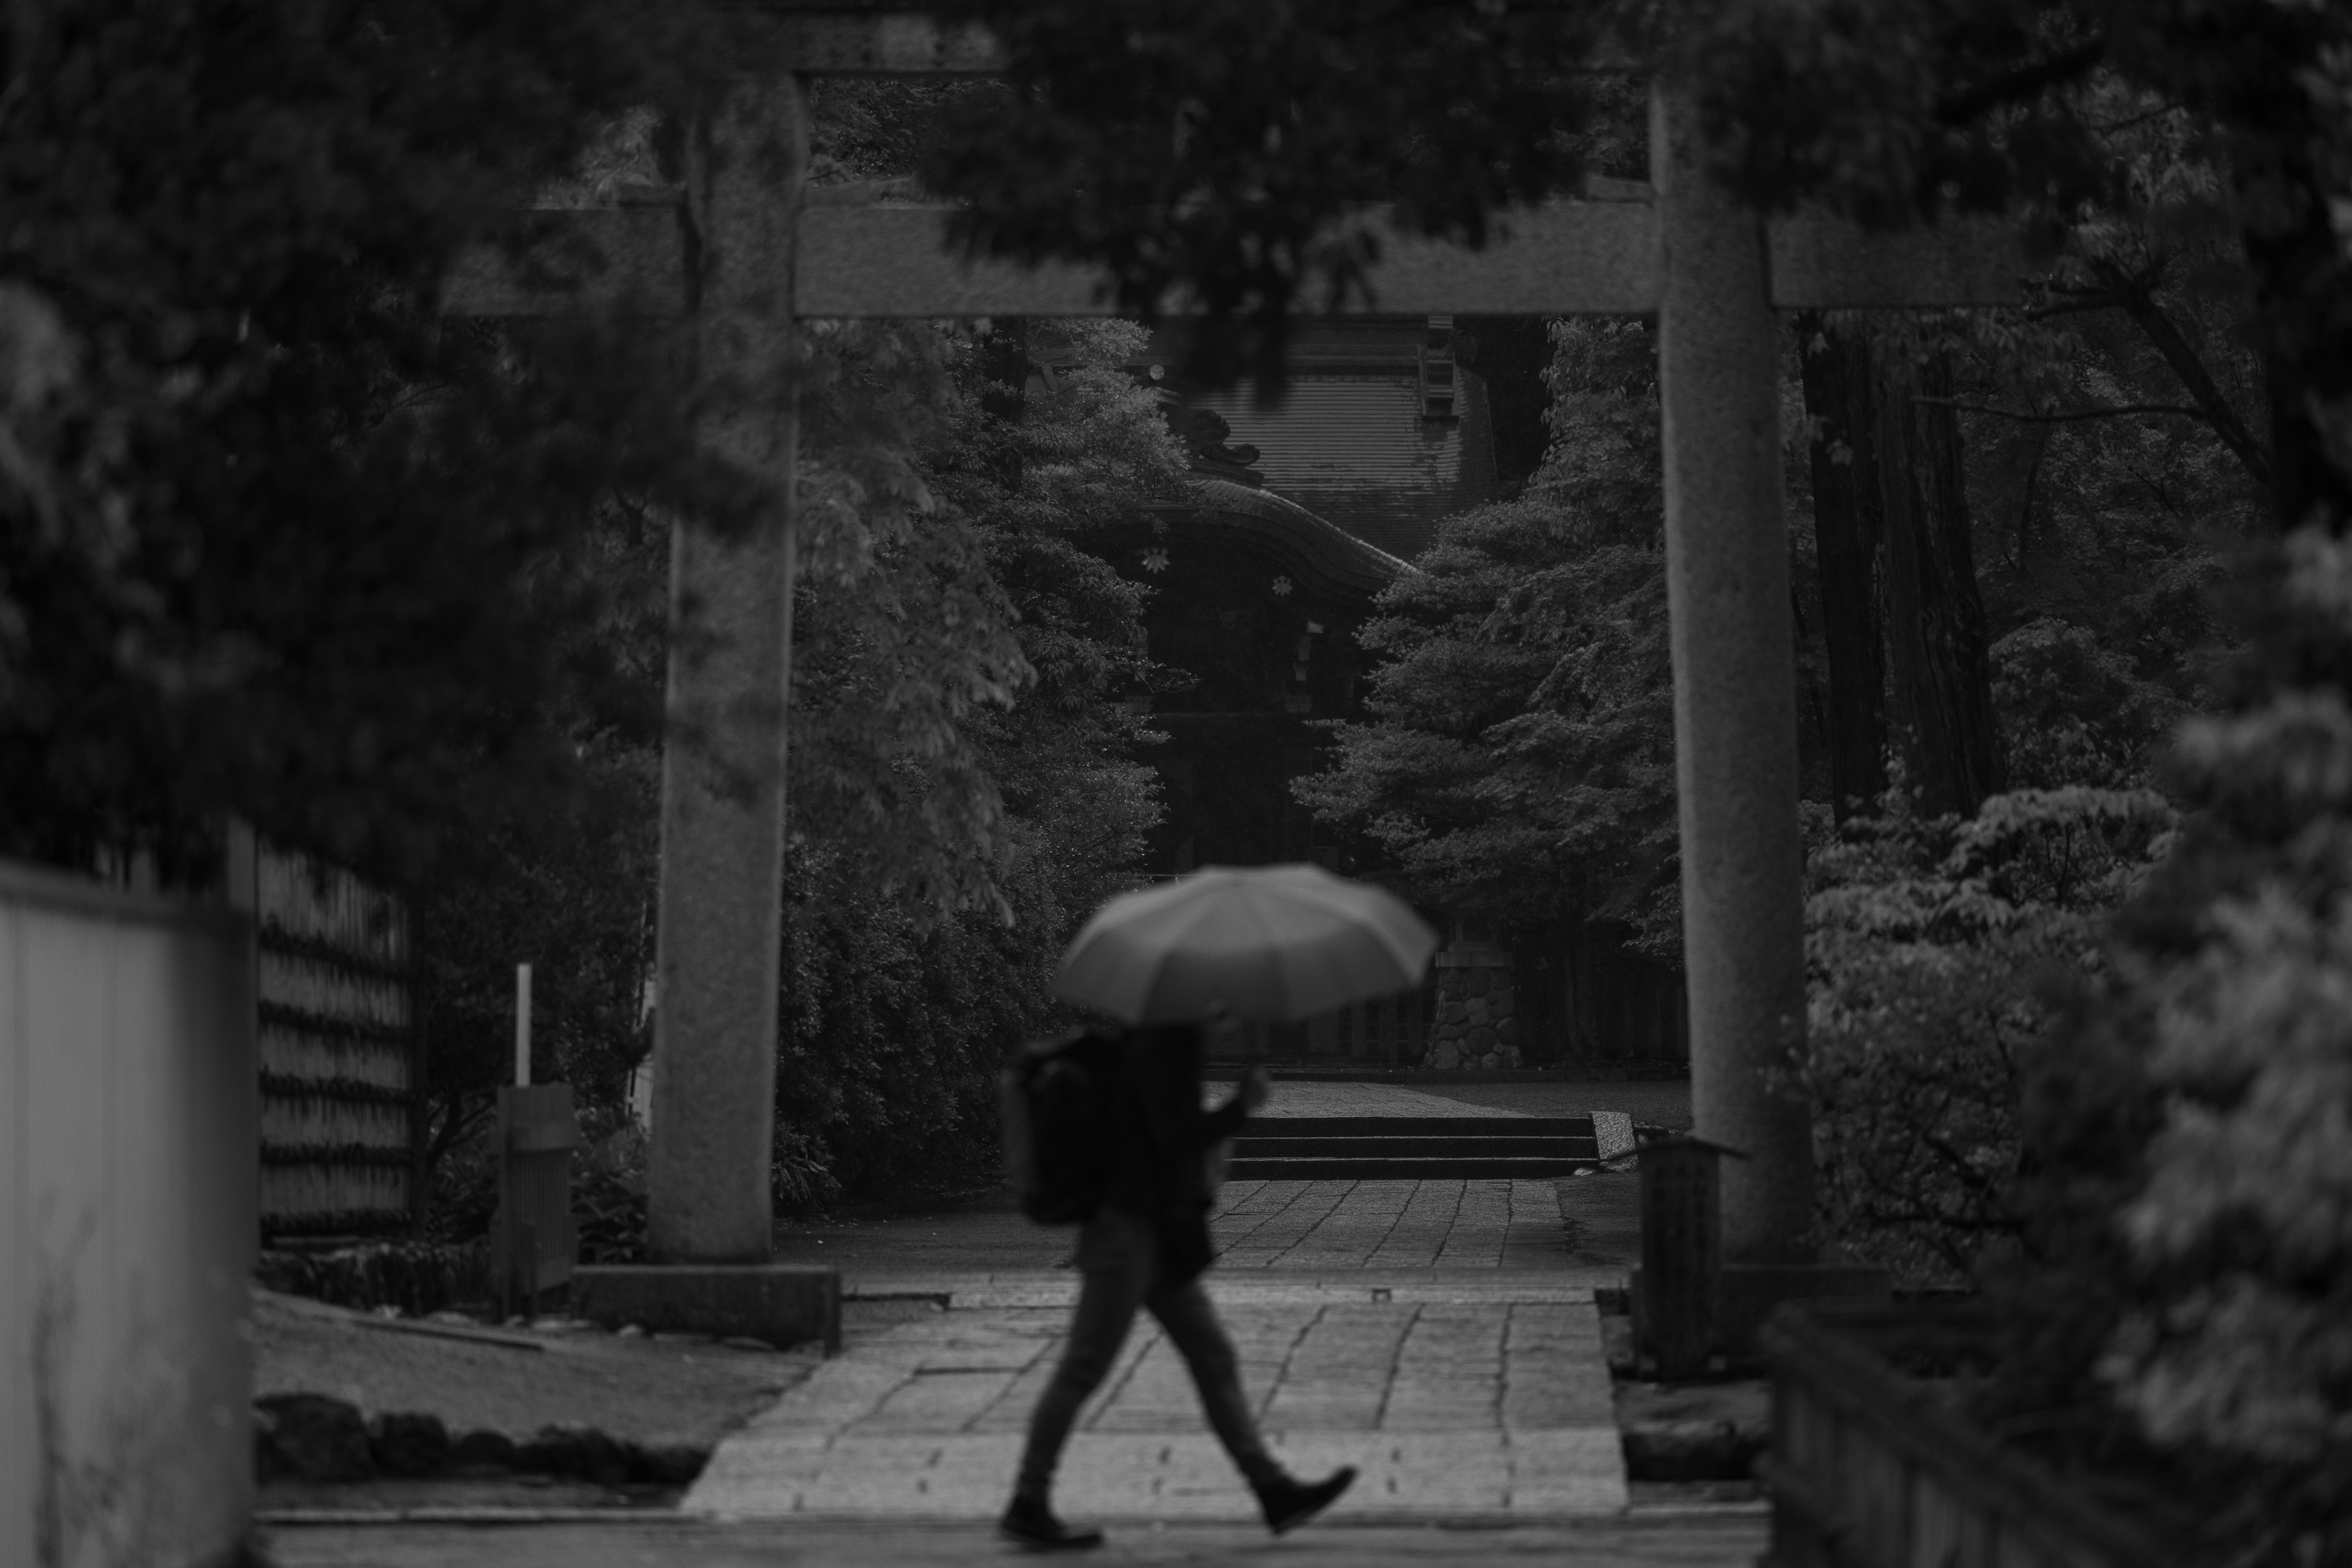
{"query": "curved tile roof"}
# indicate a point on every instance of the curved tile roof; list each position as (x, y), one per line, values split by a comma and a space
(1329, 548)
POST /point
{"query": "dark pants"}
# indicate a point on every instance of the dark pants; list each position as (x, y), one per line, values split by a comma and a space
(1119, 1267)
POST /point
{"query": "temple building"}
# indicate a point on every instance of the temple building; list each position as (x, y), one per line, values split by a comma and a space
(1299, 516)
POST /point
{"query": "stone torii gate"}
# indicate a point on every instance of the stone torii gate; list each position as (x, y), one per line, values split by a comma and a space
(746, 248)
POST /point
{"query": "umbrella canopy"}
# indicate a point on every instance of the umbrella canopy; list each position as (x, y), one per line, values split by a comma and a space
(1261, 941)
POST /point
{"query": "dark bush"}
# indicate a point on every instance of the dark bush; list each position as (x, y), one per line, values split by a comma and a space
(416, 1277)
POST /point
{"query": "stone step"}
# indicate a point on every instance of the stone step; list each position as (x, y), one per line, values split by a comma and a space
(1416, 1127)
(1384, 1168)
(1430, 1146)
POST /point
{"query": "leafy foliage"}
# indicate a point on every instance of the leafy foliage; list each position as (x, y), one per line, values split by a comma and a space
(1520, 761)
(569, 891)
(2073, 712)
(2190, 1258)
(963, 788)
(1225, 148)
(1898, 112)
(956, 698)
(900, 635)
(272, 544)
(1924, 942)
(2117, 454)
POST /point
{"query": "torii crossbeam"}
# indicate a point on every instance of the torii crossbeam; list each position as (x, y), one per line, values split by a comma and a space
(767, 250)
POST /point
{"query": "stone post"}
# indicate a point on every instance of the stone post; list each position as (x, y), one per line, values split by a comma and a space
(1735, 703)
(723, 765)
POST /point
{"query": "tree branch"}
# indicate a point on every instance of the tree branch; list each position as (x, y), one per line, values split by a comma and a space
(2138, 301)
(2065, 415)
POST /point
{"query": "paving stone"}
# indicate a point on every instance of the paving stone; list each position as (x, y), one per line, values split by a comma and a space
(934, 1402)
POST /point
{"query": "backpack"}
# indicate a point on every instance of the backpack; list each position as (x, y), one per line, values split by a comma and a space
(1058, 1100)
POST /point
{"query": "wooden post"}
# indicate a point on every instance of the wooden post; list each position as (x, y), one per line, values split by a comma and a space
(535, 1237)
(1735, 702)
(522, 1024)
(719, 920)
(1682, 1255)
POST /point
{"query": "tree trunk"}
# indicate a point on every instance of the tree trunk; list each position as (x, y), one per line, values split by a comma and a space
(2287, 160)
(1847, 527)
(1941, 689)
(2305, 370)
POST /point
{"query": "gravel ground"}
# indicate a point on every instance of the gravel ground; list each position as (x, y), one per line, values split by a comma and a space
(640, 1390)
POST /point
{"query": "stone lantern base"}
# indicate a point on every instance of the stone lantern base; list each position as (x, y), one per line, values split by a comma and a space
(1476, 1022)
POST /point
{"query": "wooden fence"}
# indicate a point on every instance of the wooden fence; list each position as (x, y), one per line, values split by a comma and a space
(1870, 1469)
(342, 1070)
(127, 1224)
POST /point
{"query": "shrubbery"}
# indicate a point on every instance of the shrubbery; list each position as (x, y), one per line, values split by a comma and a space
(963, 787)
(1519, 760)
(2186, 1279)
(410, 1276)
(1933, 944)
(2074, 712)
(955, 814)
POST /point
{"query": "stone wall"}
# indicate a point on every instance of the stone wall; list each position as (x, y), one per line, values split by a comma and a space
(1475, 1023)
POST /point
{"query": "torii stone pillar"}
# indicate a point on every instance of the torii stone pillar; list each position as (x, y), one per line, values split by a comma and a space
(723, 798)
(1735, 705)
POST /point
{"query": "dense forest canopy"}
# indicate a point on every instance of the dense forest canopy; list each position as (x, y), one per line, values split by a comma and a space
(279, 541)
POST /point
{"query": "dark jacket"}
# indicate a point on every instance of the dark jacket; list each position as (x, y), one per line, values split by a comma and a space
(1161, 1134)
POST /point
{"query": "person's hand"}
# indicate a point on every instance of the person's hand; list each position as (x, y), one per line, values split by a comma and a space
(1254, 1088)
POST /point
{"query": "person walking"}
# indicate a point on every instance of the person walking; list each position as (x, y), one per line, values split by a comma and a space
(1147, 1244)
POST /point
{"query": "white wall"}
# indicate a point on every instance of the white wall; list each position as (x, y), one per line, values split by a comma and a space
(128, 1191)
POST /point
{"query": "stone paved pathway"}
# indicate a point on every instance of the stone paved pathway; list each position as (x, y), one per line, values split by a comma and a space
(1432, 1332)
(1477, 1394)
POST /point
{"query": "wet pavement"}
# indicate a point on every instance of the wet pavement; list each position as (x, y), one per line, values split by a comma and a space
(1441, 1335)
(1462, 1395)
(1435, 1333)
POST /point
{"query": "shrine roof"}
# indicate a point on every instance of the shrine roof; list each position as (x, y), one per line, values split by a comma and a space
(1338, 553)
(1352, 442)
(1352, 446)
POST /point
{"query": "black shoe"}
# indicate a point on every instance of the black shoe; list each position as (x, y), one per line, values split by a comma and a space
(1290, 1503)
(1033, 1524)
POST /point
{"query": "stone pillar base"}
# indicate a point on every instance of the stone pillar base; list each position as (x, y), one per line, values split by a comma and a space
(784, 1304)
